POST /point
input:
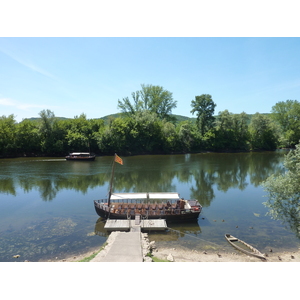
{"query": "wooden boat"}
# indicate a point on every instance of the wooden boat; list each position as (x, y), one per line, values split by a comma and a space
(168, 206)
(243, 246)
(81, 156)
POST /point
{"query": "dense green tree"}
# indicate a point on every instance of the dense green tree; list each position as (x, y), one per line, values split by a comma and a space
(186, 136)
(114, 137)
(97, 127)
(263, 133)
(169, 137)
(231, 131)
(28, 138)
(151, 98)
(146, 133)
(7, 135)
(146, 127)
(241, 130)
(80, 134)
(224, 134)
(46, 130)
(287, 114)
(284, 192)
(204, 107)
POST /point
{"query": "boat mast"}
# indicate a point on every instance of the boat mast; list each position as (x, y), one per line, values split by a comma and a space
(111, 180)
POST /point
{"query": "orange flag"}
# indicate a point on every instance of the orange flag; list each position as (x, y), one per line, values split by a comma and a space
(118, 159)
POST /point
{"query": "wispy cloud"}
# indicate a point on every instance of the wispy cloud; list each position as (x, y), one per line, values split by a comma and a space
(19, 105)
(27, 64)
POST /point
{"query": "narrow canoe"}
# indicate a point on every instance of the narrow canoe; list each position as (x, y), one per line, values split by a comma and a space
(251, 250)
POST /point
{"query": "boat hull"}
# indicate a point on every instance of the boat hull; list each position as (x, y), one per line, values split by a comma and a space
(251, 250)
(81, 158)
(169, 216)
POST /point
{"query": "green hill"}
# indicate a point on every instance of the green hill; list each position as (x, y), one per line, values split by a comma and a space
(178, 118)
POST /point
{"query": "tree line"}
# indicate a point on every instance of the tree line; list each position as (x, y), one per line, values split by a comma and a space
(146, 126)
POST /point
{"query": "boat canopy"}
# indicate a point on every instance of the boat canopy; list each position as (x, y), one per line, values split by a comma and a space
(80, 153)
(120, 196)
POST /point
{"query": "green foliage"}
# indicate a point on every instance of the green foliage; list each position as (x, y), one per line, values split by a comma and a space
(46, 130)
(187, 136)
(204, 106)
(263, 133)
(114, 136)
(287, 115)
(284, 192)
(169, 137)
(147, 137)
(231, 131)
(89, 258)
(80, 133)
(7, 135)
(146, 125)
(27, 137)
(156, 259)
(150, 98)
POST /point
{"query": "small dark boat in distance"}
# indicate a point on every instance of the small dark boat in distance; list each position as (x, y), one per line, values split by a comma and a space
(81, 156)
(238, 244)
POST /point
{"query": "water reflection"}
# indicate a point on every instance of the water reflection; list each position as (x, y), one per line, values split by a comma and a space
(99, 227)
(202, 172)
(227, 185)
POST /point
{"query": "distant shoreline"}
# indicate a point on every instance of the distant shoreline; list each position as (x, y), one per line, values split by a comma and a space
(138, 154)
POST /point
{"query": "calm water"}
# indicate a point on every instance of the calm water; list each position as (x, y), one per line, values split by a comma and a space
(46, 204)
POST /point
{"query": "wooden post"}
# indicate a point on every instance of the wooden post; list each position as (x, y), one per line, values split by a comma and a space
(111, 181)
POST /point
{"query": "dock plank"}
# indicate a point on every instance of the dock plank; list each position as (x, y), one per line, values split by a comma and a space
(119, 225)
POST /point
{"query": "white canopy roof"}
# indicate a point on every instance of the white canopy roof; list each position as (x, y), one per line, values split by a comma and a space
(120, 196)
(79, 153)
(164, 195)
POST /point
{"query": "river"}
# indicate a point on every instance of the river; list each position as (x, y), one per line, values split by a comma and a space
(46, 206)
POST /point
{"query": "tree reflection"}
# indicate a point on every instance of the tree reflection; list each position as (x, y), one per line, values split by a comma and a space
(203, 173)
(203, 187)
(7, 186)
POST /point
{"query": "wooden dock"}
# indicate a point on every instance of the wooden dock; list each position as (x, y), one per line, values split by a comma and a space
(127, 246)
(127, 225)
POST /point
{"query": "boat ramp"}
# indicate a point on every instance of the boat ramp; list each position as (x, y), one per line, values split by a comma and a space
(126, 243)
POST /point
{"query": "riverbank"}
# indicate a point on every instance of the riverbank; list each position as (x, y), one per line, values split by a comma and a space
(183, 255)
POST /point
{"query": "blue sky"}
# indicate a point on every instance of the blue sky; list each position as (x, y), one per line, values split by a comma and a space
(76, 75)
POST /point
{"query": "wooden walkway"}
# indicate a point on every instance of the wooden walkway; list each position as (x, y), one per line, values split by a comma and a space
(127, 246)
(125, 225)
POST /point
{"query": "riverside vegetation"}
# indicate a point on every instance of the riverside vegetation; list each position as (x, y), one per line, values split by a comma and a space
(146, 126)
